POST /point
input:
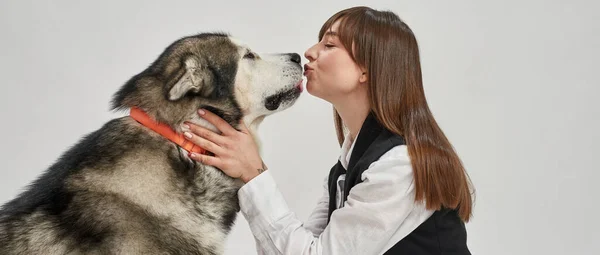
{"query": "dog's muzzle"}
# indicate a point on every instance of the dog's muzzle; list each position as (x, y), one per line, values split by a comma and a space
(273, 102)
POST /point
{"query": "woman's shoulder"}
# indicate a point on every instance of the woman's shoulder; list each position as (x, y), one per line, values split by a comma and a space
(396, 154)
(394, 163)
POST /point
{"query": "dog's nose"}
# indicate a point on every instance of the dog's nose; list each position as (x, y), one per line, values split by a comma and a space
(295, 57)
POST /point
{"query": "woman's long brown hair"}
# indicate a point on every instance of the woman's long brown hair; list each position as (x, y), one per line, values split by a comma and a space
(384, 45)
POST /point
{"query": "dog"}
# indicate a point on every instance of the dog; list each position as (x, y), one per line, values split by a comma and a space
(128, 189)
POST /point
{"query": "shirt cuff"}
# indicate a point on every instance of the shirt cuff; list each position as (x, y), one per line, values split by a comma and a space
(261, 202)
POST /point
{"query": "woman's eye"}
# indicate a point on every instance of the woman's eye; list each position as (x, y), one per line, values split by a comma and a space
(250, 55)
(329, 45)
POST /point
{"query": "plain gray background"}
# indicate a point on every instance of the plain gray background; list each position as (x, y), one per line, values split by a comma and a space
(512, 83)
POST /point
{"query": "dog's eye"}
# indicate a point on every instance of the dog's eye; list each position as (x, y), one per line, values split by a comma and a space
(250, 55)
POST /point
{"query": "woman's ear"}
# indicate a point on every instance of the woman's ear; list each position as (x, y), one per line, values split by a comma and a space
(363, 76)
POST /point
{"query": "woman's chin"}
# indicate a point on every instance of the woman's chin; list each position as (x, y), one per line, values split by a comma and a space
(309, 88)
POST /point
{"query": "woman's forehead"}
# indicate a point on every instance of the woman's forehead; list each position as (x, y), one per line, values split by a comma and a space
(332, 31)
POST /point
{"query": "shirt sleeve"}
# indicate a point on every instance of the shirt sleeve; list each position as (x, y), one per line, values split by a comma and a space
(373, 213)
(317, 220)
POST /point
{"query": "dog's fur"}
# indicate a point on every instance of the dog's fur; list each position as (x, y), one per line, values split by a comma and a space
(124, 189)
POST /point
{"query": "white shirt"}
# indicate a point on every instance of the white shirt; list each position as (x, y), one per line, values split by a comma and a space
(378, 212)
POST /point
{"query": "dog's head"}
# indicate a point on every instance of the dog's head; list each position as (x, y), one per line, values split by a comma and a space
(216, 72)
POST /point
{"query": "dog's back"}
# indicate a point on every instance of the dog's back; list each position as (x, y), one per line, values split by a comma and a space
(121, 190)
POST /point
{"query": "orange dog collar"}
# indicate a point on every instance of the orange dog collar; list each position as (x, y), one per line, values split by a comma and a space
(140, 116)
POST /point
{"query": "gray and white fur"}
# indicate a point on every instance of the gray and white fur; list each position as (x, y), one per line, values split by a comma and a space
(124, 189)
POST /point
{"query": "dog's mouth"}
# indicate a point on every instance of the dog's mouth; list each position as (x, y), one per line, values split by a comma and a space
(273, 102)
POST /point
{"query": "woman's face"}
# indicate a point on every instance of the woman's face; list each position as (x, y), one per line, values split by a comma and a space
(331, 74)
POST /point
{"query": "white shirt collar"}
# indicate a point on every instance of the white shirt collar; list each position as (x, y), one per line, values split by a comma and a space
(346, 150)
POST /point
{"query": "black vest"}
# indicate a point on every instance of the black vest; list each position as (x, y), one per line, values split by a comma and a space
(443, 233)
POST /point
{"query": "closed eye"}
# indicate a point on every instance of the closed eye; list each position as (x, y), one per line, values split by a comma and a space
(328, 44)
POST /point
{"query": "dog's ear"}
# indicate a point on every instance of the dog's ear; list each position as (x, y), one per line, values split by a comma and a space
(193, 80)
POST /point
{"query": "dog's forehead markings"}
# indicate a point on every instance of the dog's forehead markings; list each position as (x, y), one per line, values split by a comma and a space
(242, 45)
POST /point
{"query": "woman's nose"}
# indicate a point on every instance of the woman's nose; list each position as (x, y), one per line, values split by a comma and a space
(310, 54)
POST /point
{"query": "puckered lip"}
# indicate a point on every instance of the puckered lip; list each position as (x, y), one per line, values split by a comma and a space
(307, 69)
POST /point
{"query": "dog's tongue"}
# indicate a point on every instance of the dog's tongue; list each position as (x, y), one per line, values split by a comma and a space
(299, 86)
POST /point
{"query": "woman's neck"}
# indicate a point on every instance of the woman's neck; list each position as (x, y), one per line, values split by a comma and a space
(353, 111)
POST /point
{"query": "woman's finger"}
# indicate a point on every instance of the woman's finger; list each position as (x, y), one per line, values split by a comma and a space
(217, 122)
(205, 144)
(206, 133)
(207, 160)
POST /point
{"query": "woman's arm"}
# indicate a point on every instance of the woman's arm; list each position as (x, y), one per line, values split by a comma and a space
(375, 215)
(378, 212)
(317, 220)
(315, 223)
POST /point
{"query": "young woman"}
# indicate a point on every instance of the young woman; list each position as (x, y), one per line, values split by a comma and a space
(398, 187)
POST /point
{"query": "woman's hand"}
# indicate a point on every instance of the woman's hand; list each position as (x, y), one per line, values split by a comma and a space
(235, 152)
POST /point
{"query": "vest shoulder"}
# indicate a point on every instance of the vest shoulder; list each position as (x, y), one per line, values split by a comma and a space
(387, 143)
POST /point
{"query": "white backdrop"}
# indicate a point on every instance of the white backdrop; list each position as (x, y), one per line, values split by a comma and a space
(512, 83)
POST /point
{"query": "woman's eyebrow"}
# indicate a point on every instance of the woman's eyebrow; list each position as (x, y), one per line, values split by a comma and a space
(331, 33)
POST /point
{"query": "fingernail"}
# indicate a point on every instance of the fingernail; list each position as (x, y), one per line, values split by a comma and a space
(187, 134)
(192, 155)
(201, 112)
(186, 126)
